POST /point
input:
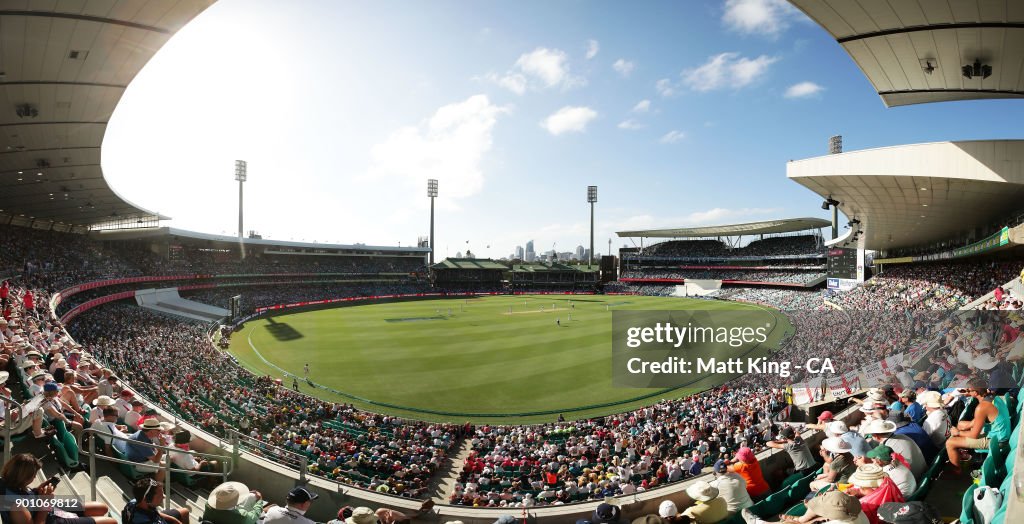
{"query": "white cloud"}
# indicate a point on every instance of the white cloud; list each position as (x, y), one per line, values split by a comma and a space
(623, 67)
(547, 64)
(642, 106)
(803, 90)
(541, 68)
(514, 82)
(630, 125)
(766, 17)
(727, 70)
(592, 48)
(665, 87)
(672, 137)
(449, 146)
(569, 119)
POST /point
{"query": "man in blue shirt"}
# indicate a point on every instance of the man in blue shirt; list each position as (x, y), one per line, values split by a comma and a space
(148, 458)
(911, 409)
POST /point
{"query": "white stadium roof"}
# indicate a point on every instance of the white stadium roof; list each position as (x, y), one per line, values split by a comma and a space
(913, 51)
(64, 65)
(912, 195)
(785, 225)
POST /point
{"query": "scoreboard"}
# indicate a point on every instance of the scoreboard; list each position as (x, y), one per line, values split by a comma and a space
(842, 263)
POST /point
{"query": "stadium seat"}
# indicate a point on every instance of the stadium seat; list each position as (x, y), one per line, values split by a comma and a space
(967, 507)
(800, 489)
(922, 490)
(772, 505)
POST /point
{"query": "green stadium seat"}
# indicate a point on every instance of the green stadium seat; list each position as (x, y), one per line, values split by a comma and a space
(790, 480)
(801, 488)
(771, 506)
(967, 506)
(922, 490)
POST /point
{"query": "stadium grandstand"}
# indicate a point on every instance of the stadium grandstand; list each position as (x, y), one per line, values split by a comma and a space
(143, 409)
(700, 260)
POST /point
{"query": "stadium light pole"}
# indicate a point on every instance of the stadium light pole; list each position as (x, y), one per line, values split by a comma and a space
(591, 199)
(241, 174)
(432, 193)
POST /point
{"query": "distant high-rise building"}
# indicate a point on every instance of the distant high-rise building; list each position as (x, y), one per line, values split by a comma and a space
(531, 255)
(458, 254)
(581, 252)
(519, 252)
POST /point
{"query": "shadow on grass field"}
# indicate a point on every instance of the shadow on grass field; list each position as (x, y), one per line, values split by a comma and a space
(282, 331)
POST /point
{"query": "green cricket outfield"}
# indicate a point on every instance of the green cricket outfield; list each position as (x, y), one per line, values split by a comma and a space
(498, 359)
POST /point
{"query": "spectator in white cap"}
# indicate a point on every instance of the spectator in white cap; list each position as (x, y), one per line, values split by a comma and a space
(839, 463)
(233, 503)
(667, 510)
(708, 507)
(936, 421)
(858, 445)
(883, 433)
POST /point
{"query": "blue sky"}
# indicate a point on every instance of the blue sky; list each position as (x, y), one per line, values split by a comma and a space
(683, 113)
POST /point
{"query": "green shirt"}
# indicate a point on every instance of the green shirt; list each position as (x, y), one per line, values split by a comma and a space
(237, 515)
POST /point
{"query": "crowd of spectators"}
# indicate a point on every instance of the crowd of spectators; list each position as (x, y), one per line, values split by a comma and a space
(182, 371)
(789, 246)
(933, 285)
(785, 276)
(516, 466)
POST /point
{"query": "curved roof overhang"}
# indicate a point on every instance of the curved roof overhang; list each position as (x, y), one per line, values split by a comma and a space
(63, 68)
(914, 52)
(764, 227)
(913, 195)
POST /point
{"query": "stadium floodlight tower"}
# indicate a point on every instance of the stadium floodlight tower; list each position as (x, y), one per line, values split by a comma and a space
(241, 170)
(591, 199)
(432, 193)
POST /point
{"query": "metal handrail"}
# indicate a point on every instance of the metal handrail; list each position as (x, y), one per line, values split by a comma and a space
(166, 465)
(8, 445)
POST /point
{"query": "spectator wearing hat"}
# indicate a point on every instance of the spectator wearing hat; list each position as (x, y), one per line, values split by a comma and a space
(99, 404)
(606, 514)
(107, 425)
(732, 488)
(233, 503)
(362, 515)
(936, 421)
(796, 448)
(858, 445)
(746, 465)
(294, 512)
(145, 508)
(913, 431)
(839, 463)
(893, 468)
(667, 512)
(822, 421)
(873, 488)
(708, 507)
(148, 458)
(883, 432)
(833, 506)
(55, 414)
